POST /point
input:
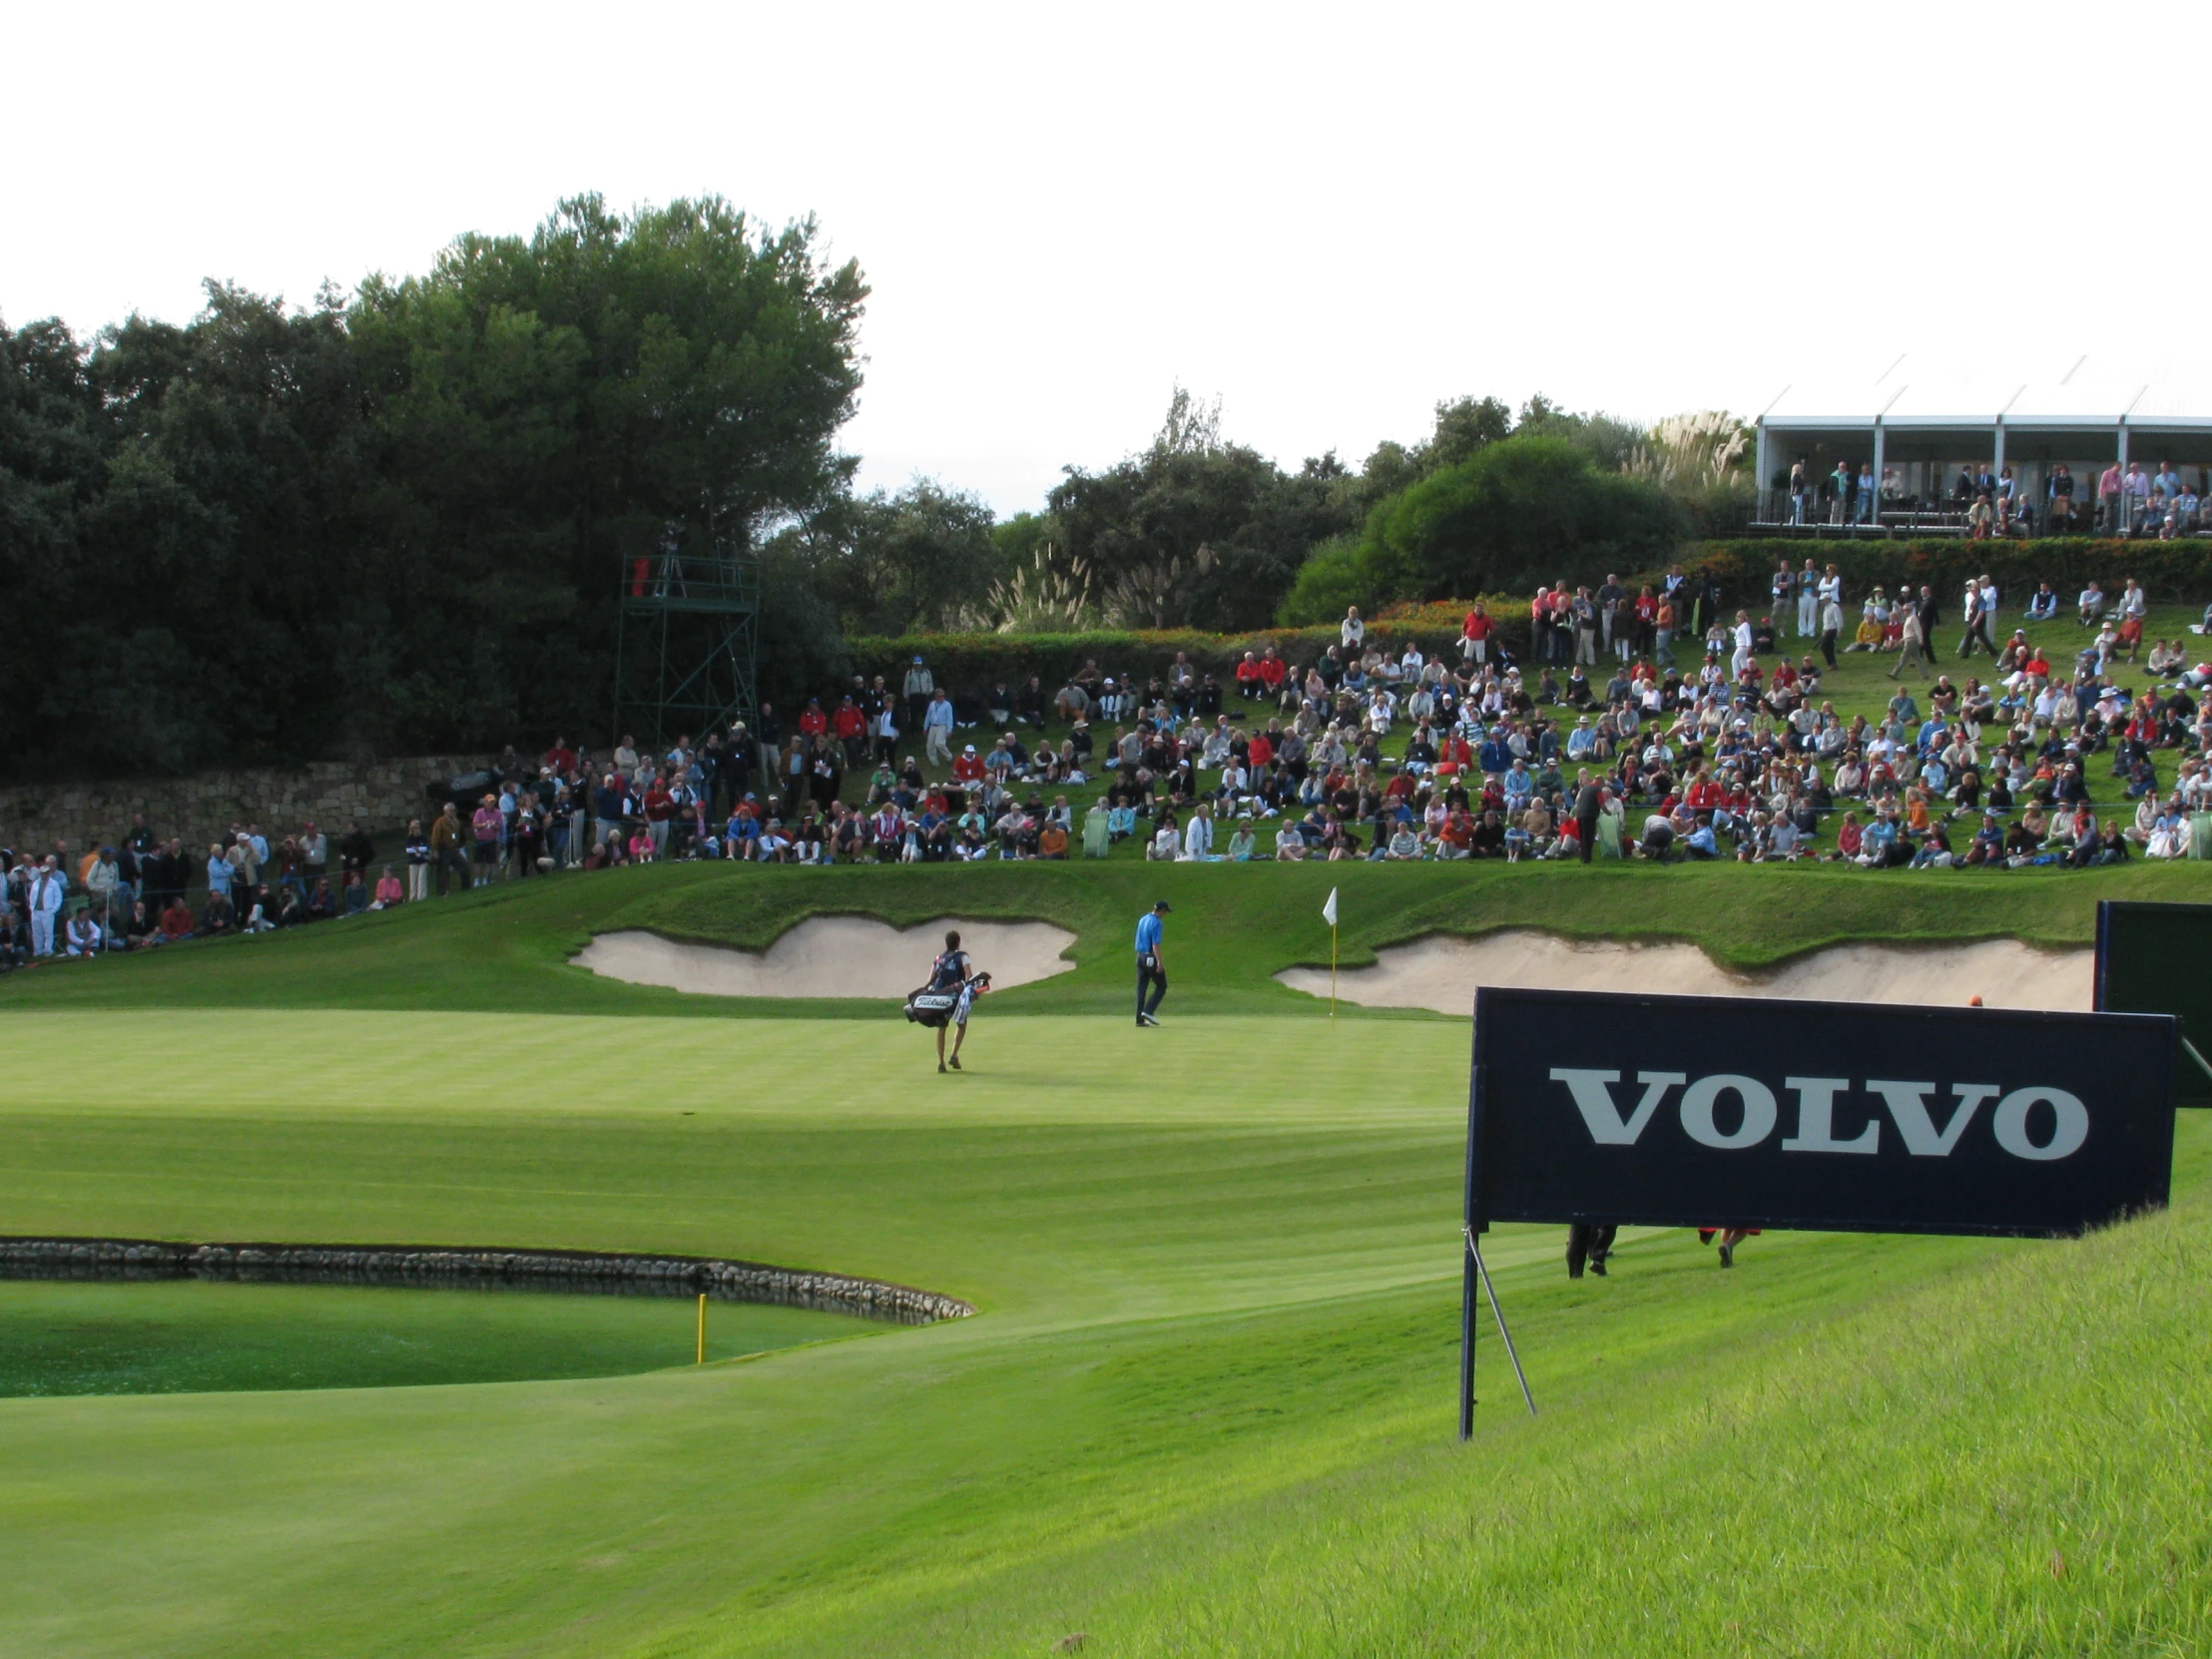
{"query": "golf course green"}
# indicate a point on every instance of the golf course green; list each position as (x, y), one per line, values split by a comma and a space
(1206, 1404)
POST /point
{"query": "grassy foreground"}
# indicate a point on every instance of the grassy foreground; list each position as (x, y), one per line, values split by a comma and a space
(1207, 1407)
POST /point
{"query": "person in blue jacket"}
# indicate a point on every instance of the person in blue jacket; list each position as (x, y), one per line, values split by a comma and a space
(1152, 973)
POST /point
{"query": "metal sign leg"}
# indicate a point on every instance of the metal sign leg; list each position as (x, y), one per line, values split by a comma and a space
(1475, 1255)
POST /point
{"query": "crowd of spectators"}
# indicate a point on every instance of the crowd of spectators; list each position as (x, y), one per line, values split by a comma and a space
(1650, 725)
(2132, 501)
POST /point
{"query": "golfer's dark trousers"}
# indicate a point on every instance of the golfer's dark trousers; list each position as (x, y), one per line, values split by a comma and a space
(1150, 975)
(1585, 1242)
(1585, 833)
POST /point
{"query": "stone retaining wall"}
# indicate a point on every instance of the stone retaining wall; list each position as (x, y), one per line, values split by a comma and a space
(382, 795)
(444, 1264)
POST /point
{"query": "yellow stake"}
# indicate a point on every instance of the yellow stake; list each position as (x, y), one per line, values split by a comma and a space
(702, 1360)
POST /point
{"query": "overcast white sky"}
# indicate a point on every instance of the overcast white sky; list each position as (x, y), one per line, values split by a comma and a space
(1329, 217)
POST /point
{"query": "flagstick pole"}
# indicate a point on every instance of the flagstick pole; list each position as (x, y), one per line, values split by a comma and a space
(1332, 970)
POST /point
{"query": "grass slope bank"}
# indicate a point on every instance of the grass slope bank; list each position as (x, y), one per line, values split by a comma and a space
(1234, 926)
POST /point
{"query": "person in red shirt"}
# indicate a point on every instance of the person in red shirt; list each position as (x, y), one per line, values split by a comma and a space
(1272, 669)
(813, 722)
(850, 726)
(175, 922)
(560, 757)
(1259, 754)
(660, 809)
(1249, 679)
(967, 767)
(1474, 636)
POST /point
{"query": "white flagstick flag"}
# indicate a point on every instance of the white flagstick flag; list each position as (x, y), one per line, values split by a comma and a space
(1329, 915)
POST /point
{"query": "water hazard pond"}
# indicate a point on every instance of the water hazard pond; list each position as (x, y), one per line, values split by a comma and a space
(190, 1336)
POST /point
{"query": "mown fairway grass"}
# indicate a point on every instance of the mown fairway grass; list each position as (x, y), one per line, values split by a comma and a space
(1207, 1405)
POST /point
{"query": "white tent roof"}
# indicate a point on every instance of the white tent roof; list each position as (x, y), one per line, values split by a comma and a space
(2080, 390)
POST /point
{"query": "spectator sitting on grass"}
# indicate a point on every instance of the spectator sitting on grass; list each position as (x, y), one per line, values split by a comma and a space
(175, 919)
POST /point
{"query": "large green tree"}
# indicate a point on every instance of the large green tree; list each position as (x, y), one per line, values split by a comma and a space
(401, 521)
(1195, 531)
(1524, 511)
(919, 559)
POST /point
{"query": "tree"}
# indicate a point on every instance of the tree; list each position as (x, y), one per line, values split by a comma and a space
(1195, 531)
(919, 560)
(1524, 511)
(401, 521)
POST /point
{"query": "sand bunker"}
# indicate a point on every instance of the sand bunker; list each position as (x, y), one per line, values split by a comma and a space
(855, 956)
(1441, 972)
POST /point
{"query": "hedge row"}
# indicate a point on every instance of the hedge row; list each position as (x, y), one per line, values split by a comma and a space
(2171, 571)
(2175, 571)
(977, 662)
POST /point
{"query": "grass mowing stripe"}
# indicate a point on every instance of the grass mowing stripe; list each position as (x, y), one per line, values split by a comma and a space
(1207, 1405)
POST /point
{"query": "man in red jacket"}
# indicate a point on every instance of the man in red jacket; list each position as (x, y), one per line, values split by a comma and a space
(660, 807)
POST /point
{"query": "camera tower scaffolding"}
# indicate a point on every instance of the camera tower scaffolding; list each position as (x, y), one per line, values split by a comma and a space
(687, 642)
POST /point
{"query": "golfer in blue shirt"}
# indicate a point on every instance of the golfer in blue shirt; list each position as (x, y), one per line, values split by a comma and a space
(1150, 973)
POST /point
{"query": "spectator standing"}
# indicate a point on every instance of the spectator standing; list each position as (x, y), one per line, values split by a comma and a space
(47, 890)
(418, 861)
(660, 809)
(487, 825)
(1974, 626)
(103, 884)
(1474, 637)
(2062, 492)
(936, 727)
(1808, 601)
(1912, 644)
(2108, 500)
(355, 852)
(917, 689)
(1353, 632)
(315, 854)
(448, 838)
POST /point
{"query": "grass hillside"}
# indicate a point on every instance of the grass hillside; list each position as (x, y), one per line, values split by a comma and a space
(1234, 926)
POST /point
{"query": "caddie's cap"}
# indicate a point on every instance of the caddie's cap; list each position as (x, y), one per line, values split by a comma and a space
(1163, 905)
